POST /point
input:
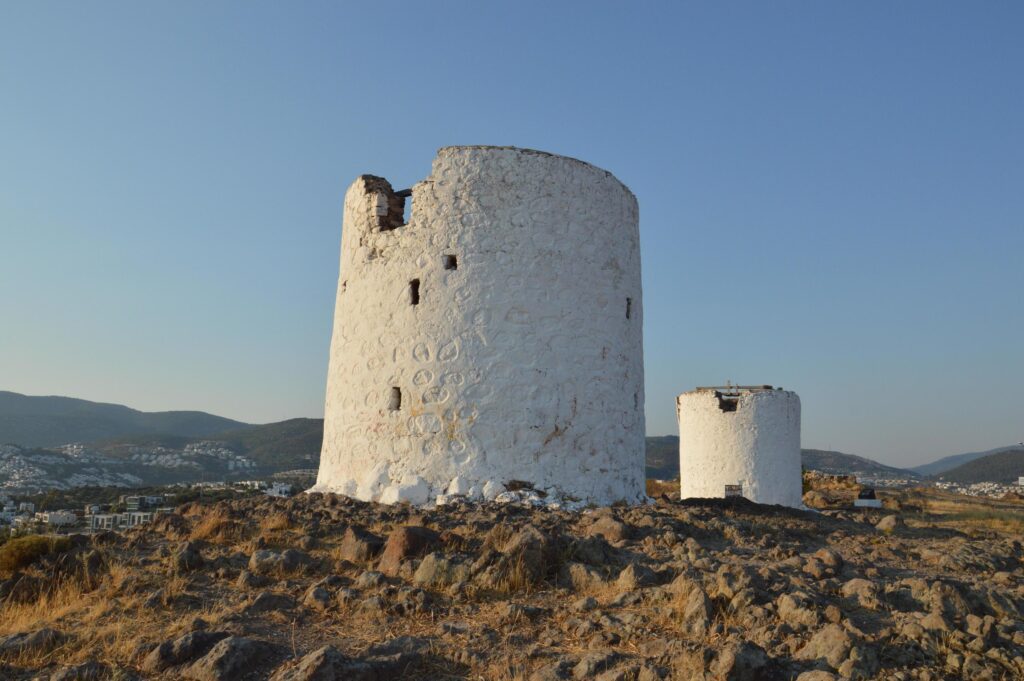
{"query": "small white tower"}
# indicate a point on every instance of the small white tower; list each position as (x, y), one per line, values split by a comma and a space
(740, 440)
(491, 338)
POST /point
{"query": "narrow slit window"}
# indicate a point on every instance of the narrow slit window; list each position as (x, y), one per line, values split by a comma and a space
(395, 399)
(450, 262)
(406, 196)
(414, 292)
(629, 308)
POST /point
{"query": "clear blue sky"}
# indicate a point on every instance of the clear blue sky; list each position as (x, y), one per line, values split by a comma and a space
(832, 194)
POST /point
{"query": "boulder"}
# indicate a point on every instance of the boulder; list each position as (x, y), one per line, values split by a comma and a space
(635, 576)
(829, 558)
(186, 558)
(412, 489)
(394, 659)
(317, 598)
(87, 671)
(815, 499)
(370, 579)
(231, 659)
(831, 643)
(266, 562)
(408, 541)
(741, 661)
(329, 664)
(34, 641)
(797, 610)
(816, 675)
(580, 577)
(593, 663)
(359, 546)
(269, 601)
(609, 528)
(863, 591)
(181, 650)
(889, 523)
(934, 621)
(435, 570)
(516, 561)
(693, 607)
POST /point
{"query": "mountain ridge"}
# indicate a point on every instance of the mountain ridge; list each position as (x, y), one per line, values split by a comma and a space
(1004, 466)
(54, 420)
(948, 463)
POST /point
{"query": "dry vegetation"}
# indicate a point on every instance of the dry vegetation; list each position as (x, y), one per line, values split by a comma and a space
(680, 590)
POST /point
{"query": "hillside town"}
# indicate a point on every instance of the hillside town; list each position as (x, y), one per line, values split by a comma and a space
(20, 517)
(992, 490)
(78, 465)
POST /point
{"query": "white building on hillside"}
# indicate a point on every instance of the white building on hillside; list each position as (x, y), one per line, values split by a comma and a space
(57, 518)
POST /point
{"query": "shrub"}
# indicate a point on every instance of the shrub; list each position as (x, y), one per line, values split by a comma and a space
(21, 552)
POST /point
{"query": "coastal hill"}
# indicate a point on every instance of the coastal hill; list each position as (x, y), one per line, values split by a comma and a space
(1004, 466)
(50, 421)
(948, 463)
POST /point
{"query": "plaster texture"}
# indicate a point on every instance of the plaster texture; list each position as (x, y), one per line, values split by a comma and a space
(757, 445)
(496, 337)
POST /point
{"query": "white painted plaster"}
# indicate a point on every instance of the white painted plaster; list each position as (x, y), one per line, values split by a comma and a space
(521, 364)
(757, 445)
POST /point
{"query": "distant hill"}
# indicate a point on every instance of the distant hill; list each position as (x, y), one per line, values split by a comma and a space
(838, 463)
(663, 457)
(948, 463)
(285, 445)
(1004, 466)
(157, 447)
(272, 447)
(663, 461)
(239, 454)
(51, 421)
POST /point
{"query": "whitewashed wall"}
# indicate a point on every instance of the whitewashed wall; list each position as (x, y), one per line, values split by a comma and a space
(521, 364)
(758, 444)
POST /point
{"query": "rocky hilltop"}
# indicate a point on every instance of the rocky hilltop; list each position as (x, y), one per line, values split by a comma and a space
(324, 587)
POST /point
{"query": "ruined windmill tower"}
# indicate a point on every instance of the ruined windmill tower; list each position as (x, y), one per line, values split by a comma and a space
(494, 337)
(740, 440)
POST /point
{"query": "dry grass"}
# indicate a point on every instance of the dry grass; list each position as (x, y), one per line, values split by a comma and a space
(517, 577)
(105, 624)
(17, 554)
(966, 514)
(218, 527)
(276, 522)
(670, 488)
(46, 610)
(99, 626)
(1002, 522)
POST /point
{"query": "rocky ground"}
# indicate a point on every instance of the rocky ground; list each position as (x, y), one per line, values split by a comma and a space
(323, 587)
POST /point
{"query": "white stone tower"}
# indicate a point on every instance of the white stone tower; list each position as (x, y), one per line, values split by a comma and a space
(746, 436)
(494, 339)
